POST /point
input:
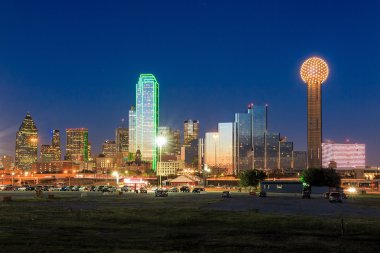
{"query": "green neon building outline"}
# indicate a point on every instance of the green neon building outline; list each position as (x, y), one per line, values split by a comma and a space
(144, 78)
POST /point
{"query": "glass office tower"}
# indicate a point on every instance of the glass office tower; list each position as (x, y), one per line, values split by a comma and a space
(147, 117)
(225, 155)
(243, 141)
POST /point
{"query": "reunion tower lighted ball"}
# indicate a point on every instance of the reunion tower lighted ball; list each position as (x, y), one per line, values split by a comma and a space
(314, 72)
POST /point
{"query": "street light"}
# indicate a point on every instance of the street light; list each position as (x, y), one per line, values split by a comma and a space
(116, 175)
(206, 170)
(161, 141)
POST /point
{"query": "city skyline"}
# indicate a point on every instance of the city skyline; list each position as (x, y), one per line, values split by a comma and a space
(58, 92)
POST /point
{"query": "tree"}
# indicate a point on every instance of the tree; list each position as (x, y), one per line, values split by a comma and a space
(251, 178)
(321, 177)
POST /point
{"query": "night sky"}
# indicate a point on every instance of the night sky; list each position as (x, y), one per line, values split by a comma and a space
(76, 63)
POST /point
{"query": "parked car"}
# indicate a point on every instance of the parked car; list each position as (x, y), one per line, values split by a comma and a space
(200, 189)
(23, 188)
(196, 190)
(83, 189)
(262, 194)
(161, 193)
(226, 194)
(174, 189)
(185, 189)
(335, 197)
(143, 190)
(125, 189)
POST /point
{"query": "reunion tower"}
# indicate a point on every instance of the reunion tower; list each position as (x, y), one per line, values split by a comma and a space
(314, 72)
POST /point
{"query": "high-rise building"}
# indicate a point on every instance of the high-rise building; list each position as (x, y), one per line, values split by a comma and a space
(47, 153)
(299, 160)
(190, 153)
(243, 141)
(345, 155)
(190, 131)
(147, 117)
(6, 162)
(56, 144)
(225, 155)
(109, 148)
(250, 138)
(77, 145)
(271, 157)
(219, 149)
(26, 144)
(286, 154)
(132, 130)
(122, 140)
(211, 146)
(314, 72)
(259, 131)
(173, 139)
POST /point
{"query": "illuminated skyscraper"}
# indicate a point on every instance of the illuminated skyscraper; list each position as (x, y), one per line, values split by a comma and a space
(122, 139)
(56, 144)
(109, 148)
(147, 117)
(173, 140)
(190, 131)
(26, 144)
(314, 71)
(132, 130)
(77, 146)
(47, 153)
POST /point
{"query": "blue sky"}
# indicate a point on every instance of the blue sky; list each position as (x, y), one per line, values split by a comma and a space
(76, 63)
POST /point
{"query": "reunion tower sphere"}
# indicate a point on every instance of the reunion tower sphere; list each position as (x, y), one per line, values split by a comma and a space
(314, 70)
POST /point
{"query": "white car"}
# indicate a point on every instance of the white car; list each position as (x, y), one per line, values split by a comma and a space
(22, 188)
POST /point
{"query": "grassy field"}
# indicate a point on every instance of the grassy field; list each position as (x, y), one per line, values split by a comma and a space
(172, 225)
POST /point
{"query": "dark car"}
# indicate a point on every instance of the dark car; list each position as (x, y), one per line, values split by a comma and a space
(161, 193)
(226, 194)
(335, 197)
(262, 194)
(196, 190)
(201, 189)
(143, 190)
(184, 189)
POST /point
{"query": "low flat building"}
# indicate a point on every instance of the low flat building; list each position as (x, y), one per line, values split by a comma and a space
(282, 186)
(169, 168)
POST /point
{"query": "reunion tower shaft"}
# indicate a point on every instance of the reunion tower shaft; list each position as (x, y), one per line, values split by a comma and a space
(314, 72)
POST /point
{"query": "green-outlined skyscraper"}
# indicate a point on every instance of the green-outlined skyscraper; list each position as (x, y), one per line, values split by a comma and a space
(147, 117)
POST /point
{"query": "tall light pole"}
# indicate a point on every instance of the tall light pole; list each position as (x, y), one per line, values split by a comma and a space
(13, 174)
(314, 72)
(161, 141)
(116, 175)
